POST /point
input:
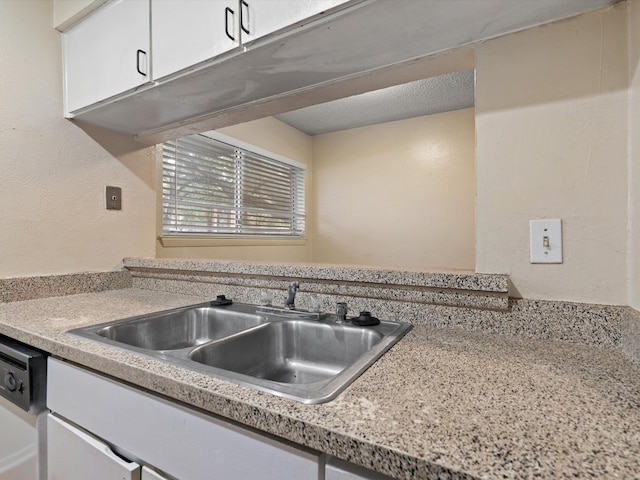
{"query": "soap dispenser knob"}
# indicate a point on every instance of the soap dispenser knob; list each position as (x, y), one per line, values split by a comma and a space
(220, 301)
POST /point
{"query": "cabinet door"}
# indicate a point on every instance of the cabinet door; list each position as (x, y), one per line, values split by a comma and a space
(18, 442)
(183, 443)
(106, 53)
(261, 17)
(148, 474)
(341, 470)
(186, 32)
(74, 455)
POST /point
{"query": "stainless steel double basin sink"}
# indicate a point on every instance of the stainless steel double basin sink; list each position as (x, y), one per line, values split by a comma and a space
(310, 358)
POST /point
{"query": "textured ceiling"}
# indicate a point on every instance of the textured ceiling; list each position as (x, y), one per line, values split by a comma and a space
(423, 97)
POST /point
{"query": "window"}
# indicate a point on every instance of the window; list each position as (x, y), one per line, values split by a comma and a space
(214, 188)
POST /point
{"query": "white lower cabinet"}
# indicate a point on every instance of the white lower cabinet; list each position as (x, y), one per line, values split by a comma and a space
(341, 470)
(101, 429)
(74, 455)
(148, 474)
(166, 437)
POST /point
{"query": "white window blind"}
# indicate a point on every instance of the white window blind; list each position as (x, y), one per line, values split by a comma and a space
(214, 188)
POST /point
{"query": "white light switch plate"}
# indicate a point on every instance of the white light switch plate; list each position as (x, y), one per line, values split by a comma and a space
(545, 241)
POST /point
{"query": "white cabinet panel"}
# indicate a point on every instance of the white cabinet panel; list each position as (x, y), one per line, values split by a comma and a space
(18, 442)
(261, 17)
(340, 470)
(148, 474)
(106, 54)
(184, 443)
(74, 455)
(187, 32)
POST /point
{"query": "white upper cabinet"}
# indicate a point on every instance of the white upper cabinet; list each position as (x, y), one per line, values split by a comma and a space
(187, 32)
(214, 63)
(106, 54)
(262, 17)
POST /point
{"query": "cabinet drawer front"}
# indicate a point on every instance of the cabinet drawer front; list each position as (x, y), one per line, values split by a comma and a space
(72, 454)
(184, 443)
(340, 470)
(148, 474)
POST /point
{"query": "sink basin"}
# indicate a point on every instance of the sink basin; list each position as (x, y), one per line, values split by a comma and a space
(310, 359)
(184, 328)
(290, 351)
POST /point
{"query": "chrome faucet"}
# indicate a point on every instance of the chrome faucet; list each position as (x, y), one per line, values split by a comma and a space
(291, 295)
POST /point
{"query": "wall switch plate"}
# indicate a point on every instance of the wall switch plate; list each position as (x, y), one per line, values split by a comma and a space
(114, 198)
(545, 241)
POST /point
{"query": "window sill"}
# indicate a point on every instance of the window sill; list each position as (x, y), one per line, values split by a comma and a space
(169, 242)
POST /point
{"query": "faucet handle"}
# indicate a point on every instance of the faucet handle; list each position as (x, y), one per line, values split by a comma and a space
(341, 311)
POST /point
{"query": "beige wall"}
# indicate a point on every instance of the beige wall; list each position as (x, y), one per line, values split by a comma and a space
(418, 171)
(52, 173)
(634, 157)
(551, 131)
(553, 111)
(66, 12)
(277, 137)
(399, 194)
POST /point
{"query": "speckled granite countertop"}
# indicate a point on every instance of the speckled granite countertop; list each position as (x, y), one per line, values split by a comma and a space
(463, 280)
(440, 404)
